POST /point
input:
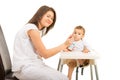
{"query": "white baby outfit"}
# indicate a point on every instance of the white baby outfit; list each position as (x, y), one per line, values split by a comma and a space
(79, 45)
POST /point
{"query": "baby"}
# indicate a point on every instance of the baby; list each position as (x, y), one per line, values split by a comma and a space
(78, 45)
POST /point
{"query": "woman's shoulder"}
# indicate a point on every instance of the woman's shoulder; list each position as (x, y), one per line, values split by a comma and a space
(26, 28)
(31, 26)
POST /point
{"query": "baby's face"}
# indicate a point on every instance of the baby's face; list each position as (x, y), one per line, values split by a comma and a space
(78, 34)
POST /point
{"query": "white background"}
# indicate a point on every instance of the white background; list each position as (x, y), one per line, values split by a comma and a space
(99, 17)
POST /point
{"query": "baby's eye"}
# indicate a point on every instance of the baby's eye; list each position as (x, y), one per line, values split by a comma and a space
(75, 33)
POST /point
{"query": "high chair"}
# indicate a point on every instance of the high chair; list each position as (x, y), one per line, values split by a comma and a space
(79, 55)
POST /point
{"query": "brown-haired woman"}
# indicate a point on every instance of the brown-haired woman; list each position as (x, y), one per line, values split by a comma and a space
(29, 48)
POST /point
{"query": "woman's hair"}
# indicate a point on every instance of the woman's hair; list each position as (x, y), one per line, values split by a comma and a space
(80, 27)
(39, 14)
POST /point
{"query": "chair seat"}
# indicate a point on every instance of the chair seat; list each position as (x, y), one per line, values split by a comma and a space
(10, 76)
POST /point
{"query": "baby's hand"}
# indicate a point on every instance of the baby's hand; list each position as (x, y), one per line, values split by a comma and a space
(85, 51)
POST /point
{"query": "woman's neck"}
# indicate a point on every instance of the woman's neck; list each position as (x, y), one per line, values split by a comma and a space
(40, 26)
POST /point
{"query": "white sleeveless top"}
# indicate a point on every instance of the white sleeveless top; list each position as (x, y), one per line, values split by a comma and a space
(23, 49)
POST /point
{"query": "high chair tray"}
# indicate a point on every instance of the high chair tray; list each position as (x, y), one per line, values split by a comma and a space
(79, 55)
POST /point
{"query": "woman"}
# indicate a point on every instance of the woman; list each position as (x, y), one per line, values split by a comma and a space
(29, 48)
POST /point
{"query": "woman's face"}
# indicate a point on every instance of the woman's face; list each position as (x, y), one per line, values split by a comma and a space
(78, 34)
(47, 19)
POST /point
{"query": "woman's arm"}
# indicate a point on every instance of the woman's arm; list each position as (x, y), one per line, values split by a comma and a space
(41, 49)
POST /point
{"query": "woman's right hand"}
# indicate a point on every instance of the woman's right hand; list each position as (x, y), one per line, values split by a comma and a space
(69, 41)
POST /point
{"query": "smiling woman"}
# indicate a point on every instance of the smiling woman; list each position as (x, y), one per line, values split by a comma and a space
(29, 48)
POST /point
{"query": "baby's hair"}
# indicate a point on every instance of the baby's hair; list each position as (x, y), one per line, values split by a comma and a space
(80, 27)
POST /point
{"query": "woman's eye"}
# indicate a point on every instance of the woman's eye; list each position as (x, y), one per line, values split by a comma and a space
(52, 18)
(48, 16)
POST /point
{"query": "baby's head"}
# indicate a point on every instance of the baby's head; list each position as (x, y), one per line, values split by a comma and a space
(78, 33)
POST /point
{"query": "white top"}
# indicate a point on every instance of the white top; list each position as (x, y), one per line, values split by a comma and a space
(23, 48)
(79, 45)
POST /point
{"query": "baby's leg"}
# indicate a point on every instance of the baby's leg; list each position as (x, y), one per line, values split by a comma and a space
(71, 65)
(81, 61)
(70, 71)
